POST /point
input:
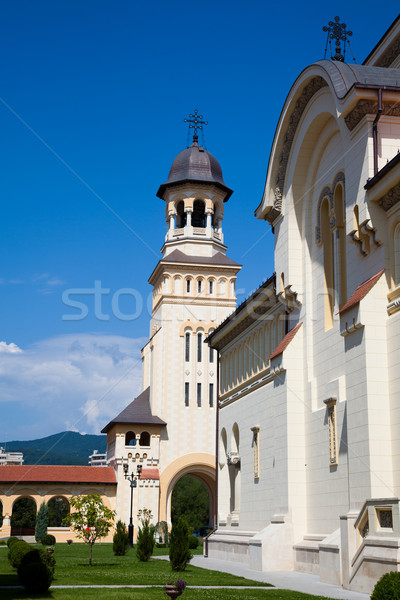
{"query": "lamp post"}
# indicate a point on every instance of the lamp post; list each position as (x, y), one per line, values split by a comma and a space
(133, 477)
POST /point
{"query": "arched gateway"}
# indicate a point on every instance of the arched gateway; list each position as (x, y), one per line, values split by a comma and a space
(193, 292)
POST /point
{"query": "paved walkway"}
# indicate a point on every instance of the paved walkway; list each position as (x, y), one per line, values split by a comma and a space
(288, 580)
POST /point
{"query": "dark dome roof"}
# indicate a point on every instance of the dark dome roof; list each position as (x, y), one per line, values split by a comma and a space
(195, 164)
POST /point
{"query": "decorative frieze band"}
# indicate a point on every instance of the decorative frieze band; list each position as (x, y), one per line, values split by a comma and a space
(391, 198)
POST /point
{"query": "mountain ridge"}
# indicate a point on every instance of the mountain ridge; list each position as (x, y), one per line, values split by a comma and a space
(64, 448)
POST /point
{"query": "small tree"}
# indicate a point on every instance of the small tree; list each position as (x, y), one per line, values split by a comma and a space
(90, 519)
(179, 553)
(120, 539)
(145, 538)
(41, 522)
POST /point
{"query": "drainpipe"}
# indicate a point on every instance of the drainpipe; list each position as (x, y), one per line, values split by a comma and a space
(215, 515)
(375, 130)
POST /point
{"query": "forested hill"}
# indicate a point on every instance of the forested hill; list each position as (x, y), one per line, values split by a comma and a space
(65, 448)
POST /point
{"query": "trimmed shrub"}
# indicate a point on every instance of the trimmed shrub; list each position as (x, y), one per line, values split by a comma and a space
(36, 556)
(145, 541)
(35, 577)
(3, 543)
(120, 539)
(11, 540)
(193, 542)
(17, 552)
(48, 540)
(387, 587)
(179, 553)
(41, 522)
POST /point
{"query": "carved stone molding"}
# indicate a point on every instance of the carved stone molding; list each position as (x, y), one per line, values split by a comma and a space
(369, 107)
(390, 55)
(391, 198)
(308, 92)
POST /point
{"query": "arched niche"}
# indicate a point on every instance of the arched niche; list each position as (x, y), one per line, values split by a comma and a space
(58, 509)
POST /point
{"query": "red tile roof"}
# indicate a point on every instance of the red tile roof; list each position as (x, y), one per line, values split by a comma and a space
(361, 291)
(283, 344)
(150, 473)
(56, 473)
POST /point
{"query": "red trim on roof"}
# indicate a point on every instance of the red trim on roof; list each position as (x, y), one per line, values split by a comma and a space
(56, 473)
(150, 473)
(283, 344)
(361, 291)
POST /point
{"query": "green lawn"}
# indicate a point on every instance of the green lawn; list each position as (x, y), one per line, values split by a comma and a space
(158, 594)
(72, 569)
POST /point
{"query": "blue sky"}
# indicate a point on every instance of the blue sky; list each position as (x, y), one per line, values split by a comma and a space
(92, 101)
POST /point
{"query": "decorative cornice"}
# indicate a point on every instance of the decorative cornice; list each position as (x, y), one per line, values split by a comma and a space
(308, 92)
(258, 381)
(390, 55)
(394, 301)
(370, 107)
(390, 199)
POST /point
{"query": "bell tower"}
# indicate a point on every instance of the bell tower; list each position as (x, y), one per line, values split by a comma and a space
(193, 292)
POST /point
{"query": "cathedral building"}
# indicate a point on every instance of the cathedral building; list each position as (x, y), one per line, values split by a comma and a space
(309, 404)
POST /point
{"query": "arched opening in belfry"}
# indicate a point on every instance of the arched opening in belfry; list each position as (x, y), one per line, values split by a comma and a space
(191, 500)
(130, 438)
(23, 518)
(180, 215)
(58, 510)
(199, 214)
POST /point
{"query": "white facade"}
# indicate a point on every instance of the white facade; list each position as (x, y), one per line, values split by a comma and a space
(10, 458)
(309, 396)
(98, 459)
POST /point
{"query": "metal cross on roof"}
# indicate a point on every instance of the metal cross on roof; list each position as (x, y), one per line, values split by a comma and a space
(337, 31)
(195, 122)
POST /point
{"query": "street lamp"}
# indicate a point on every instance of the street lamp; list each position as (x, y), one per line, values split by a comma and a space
(132, 478)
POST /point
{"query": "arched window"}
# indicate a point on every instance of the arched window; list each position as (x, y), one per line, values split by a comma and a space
(331, 235)
(180, 215)
(199, 217)
(211, 286)
(187, 346)
(199, 346)
(329, 282)
(130, 438)
(396, 251)
(144, 438)
(188, 286)
(340, 243)
(199, 286)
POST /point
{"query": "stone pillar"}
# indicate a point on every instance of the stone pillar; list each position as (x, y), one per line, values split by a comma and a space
(348, 544)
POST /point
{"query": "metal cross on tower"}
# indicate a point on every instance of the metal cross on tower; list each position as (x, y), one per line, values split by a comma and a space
(195, 122)
(337, 31)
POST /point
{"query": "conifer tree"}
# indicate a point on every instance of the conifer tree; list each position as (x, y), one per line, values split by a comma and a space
(120, 539)
(179, 553)
(145, 538)
(41, 522)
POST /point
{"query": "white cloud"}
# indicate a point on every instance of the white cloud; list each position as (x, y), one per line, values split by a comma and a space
(76, 382)
(9, 348)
